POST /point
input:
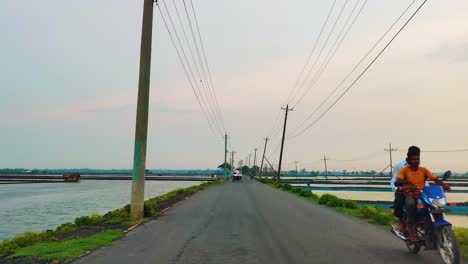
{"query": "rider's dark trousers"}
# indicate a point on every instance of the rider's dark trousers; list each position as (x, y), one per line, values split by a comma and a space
(410, 206)
(398, 204)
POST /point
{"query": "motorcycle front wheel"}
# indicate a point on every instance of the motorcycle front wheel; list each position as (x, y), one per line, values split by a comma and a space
(447, 245)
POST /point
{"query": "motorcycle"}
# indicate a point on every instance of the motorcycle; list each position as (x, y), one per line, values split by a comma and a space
(433, 231)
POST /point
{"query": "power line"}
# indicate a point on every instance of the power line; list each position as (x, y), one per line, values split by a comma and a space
(323, 47)
(212, 118)
(207, 65)
(362, 73)
(186, 39)
(356, 66)
(336, 45)
(187, 73)
(207, 89)
(311, 53)
(444, 151)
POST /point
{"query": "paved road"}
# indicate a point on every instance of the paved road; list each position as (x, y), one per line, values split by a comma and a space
(253, 223)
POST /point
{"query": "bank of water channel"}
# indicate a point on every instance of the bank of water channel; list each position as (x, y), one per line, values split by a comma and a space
(383, 196)
(42, 206)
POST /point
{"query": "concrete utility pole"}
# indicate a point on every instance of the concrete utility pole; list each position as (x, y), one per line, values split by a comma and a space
(225, 154)
(295, 162)
(263, 157)
(390, 149)
(282, 140)
(250, 164)
(232, 160)
(326, 170)
(141, 130)
(255, 158)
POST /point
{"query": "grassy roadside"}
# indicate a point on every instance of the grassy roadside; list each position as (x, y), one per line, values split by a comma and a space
(371, 214)
(71, 240)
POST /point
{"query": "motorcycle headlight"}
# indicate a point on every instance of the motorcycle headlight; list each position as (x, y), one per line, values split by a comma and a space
(439, 203)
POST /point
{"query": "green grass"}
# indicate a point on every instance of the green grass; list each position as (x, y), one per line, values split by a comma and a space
(69, 249)
(462, 237)
(119, 216)
(371, 214)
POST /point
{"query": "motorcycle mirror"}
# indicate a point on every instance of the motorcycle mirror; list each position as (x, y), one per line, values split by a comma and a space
(446, 175)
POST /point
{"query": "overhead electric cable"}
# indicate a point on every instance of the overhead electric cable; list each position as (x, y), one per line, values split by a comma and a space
(187, 74)
(200, 78)
(207, 65)
(444, 151)
(186, 39)
(207, 88)
(204, 102)
(310, 54)
(322, 49)
(362, 73)
(336, 45)
(356, 66)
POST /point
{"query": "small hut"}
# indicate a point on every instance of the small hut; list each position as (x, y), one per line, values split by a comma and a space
(73, 177)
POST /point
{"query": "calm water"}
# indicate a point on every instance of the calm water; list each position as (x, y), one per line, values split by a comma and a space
(37, 207)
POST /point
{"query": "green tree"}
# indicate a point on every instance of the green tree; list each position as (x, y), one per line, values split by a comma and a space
(245, 169)
(255, 170)
(228, 166)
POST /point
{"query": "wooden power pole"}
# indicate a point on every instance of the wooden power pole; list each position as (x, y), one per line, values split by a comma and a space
(282, 140)
(263, 157)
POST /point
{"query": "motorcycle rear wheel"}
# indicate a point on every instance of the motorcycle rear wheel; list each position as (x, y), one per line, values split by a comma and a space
(413, 247)
(447, 245)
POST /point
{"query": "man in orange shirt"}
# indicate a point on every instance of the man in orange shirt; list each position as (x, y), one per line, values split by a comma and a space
(412, 179)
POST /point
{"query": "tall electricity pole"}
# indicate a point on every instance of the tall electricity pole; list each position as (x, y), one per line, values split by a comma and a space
(263, 157)
(390, 149)
(295, 162)
(232, 159)
(282, 140)
(141, 127)
(250, 165)
(225, 154)
(255, 158)
(326, 170)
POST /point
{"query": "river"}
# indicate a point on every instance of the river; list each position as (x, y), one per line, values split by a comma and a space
(42, 206)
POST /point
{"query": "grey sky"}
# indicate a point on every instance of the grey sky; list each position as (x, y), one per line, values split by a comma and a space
(69, 75)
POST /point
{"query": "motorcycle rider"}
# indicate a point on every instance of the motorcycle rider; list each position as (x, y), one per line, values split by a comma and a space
(412, 180)
(399, 201)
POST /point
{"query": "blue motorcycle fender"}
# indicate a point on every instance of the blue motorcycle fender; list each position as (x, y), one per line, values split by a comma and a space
(441, 223)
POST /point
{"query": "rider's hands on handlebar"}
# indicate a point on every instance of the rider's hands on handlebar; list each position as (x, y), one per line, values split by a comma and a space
(414, 188)
(446, 187)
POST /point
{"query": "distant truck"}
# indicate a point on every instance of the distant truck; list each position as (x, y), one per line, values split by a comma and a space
(73, 177)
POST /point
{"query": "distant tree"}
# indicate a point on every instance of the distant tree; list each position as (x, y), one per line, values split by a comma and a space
(228, 166)
(245, 169)
(314, 173)
(255, 170)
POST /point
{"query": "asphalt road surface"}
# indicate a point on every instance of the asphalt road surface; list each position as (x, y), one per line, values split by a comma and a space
(250, 222)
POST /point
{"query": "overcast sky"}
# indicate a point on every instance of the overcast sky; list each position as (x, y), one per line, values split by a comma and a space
(69, 78)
